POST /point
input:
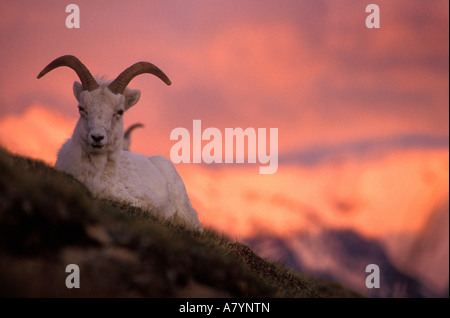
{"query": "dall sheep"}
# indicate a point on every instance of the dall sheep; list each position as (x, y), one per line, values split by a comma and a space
(127, 136)
(94, 153)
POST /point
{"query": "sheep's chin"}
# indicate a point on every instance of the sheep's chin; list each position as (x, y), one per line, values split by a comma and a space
(97, 149)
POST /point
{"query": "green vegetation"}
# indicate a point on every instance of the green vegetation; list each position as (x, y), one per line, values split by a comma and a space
(49, 220)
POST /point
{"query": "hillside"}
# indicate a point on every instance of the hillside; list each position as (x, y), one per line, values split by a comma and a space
(49, 220)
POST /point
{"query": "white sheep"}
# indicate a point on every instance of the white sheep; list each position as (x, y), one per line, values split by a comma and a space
(127, 136)
(94, 153)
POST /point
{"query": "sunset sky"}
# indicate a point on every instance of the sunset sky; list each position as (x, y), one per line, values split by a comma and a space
(335, 89)
(362, 114)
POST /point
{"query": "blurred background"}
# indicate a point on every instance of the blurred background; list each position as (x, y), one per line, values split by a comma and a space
(362, 117)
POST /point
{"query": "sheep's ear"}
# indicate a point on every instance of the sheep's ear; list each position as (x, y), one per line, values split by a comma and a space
(131, 97)
(77, 89)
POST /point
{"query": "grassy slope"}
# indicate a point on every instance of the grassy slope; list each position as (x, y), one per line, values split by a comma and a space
(49, 220)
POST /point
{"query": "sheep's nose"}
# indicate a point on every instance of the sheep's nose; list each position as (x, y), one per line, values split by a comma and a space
(97, 138)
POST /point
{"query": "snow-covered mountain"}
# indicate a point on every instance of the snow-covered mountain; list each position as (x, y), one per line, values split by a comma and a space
(342, 256)
(426, 254)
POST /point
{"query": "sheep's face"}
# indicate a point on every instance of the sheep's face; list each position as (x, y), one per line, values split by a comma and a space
(100, 125)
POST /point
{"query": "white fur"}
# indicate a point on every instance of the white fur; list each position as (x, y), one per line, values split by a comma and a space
(110, 172)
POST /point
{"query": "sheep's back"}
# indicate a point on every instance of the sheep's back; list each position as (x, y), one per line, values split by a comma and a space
(144, 183)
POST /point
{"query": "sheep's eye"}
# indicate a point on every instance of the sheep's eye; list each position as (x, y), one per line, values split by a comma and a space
(120, 112)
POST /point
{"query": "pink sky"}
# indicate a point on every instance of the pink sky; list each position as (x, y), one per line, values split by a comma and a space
(362, 114)
(309, 68)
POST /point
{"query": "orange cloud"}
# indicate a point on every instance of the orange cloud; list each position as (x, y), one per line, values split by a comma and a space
(309, 68)
(37, 132)
(377, 198)
(312, 70)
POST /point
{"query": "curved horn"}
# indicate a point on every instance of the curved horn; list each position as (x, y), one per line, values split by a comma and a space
(131, 128)
(86, 78)
(120, 83)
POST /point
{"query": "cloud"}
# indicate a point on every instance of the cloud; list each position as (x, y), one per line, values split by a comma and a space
(311, 69)
(37, 132)
(392, 195)
(336, 91)
(364, 149)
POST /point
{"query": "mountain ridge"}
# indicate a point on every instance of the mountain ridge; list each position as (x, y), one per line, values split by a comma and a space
(340, 255)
